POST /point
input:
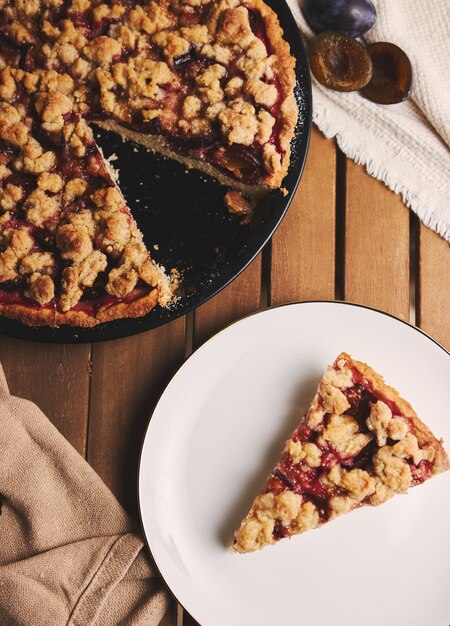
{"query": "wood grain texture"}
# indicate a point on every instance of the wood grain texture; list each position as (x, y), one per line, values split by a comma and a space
(434, 286)
(303, 248)
(56, 378)
(376, 244)
(128, 377)
(240, 298)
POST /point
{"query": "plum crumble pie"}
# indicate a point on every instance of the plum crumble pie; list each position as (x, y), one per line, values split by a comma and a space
(209, 83)
(359, 444)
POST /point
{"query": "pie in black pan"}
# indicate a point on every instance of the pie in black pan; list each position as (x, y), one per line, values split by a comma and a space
(207, 83)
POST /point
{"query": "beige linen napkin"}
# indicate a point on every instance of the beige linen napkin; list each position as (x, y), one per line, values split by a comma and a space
(406, 145)
(69, 553)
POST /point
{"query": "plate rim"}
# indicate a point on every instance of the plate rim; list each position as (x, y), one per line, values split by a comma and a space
(219, 332)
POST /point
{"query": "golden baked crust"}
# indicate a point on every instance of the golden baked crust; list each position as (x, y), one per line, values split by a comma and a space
(359, 444)
(424, 435)
(138, 308)
(31, 316)
(209, 83)
(285, 70)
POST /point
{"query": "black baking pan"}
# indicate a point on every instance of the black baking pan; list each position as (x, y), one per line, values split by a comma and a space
(184, 219)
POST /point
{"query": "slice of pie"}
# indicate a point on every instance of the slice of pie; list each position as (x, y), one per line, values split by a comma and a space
(209, 83)
(359, 444)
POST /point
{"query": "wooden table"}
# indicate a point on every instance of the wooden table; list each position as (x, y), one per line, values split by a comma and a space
(345, 236)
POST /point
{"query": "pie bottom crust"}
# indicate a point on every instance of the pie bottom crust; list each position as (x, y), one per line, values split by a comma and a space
(137, 308)
(159, 145)
(35, 316)
(29, 315)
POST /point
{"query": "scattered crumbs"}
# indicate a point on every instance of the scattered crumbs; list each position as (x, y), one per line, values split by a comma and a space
(174, 280)
(284, 191)
(137, 200)
(112, 169)
(135, 149)
(175, 275)
(155, 246)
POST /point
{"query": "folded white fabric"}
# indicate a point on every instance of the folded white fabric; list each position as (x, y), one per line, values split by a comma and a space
(406, 145)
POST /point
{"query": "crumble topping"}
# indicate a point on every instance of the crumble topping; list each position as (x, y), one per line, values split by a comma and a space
(237, 204)
(50, 182)
(195, 71)
(384, 425)
(40, 207)
(333, 399)
(42, 262)
(10, 196)
(40, 288)
(238, 122)
(354, 447)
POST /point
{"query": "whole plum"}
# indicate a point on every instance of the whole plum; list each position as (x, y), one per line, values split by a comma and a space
(352, 17)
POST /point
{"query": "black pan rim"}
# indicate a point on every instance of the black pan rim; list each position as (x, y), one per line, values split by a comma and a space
(127, 327)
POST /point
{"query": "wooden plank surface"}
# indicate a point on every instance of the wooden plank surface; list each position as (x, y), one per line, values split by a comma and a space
(128, 375)
(303, 248)
(376, 244)
(235, 301)
(434, 281)
(56, 378)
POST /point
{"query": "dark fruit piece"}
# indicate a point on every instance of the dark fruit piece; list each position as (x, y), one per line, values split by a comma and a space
(239, 160)
(237, 204)
(352, 17)
(391, 76)
(255, 21)
(182, 59)
(340, 62)
(194, 142)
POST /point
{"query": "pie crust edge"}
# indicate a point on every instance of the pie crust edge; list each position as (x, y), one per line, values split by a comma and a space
(424, 435)
(285, 71)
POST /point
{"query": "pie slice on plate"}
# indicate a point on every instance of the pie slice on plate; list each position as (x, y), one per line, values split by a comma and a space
(360, 443)
(209, 83)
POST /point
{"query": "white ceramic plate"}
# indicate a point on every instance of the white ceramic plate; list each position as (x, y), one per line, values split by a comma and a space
(214, 437)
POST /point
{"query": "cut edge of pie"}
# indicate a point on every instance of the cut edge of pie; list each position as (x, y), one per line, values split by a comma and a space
(284, 69)
(359, 444)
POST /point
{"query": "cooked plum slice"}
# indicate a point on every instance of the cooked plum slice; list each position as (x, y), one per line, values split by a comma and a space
(340, 62)
(391, 75)
(352, 17)
(237, 204)
(240, 160)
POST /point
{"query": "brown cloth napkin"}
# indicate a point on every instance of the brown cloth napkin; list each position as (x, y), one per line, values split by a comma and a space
(69, 553)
